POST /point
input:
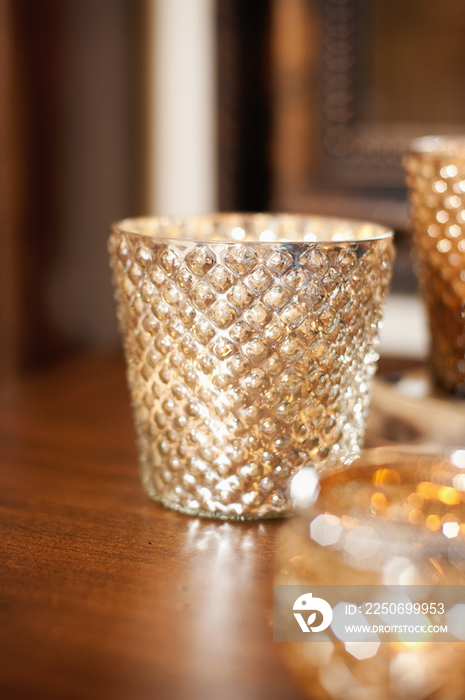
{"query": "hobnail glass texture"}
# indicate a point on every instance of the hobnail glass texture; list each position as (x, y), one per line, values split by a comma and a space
(436, 179)
(395, 517)
(250, 343)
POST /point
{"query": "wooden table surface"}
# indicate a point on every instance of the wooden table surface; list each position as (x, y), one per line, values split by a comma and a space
(103, 593)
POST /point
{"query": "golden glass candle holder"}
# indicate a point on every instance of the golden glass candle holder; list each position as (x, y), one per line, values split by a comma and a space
(392, 522)
(435, 169)
(250, 343)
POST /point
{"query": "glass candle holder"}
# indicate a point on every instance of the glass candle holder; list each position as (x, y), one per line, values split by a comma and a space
(435, 169)
(250, 341)
(394, 518)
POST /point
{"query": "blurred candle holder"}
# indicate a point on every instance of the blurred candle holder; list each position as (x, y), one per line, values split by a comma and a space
(435, 168)
(251, 342)
(396, 518)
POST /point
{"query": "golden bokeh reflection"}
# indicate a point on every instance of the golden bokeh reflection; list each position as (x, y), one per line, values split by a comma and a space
(394, 518)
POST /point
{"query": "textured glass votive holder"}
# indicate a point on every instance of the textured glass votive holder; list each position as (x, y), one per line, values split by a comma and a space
(250, 342)
(435, 169)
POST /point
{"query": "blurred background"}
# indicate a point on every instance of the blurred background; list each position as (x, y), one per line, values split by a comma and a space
(116, 108)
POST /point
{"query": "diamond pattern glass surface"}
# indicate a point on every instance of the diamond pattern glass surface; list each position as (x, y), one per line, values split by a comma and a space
(436, 179)
(247, 360)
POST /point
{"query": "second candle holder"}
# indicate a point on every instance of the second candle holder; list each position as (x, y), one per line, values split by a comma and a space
(435, 168)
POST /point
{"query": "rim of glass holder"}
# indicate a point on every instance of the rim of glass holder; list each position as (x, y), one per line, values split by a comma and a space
(378, 456)
(404, 454)
(437, 146)
(407, 455)
(233, 228)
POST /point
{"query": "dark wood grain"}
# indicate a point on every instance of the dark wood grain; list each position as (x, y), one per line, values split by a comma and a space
(103, 593)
